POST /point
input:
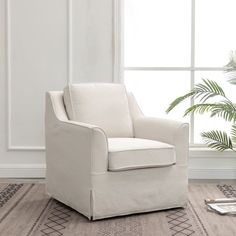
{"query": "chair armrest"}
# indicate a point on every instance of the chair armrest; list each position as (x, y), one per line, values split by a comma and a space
(72, 144)
(82, 144)
(74, 153)
(164, 130)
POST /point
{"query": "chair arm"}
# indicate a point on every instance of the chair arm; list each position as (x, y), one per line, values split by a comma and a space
(74, 152)
(164, 130)
(71, 144)
(78, 144)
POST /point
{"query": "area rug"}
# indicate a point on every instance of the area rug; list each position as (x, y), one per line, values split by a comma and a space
(26, 210)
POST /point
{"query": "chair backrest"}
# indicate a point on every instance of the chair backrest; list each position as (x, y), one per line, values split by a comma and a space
(104, 105)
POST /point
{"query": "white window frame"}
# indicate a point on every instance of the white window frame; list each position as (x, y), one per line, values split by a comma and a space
(119, 68)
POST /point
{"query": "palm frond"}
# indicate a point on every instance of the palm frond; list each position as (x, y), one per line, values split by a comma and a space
(208, 89)
(230, 68)
(225, 109)
(204, 91)
(231, 76)
(233, 133)
(199, 108)
(218, 140)
(232, 81)
(232, 62)
(178, 100)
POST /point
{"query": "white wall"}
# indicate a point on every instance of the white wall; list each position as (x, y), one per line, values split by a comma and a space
(44, 44)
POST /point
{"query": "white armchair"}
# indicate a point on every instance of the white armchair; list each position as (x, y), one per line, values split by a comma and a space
(105, 158)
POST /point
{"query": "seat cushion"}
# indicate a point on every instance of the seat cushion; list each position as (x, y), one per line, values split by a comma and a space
(104, 105)
(134, 153)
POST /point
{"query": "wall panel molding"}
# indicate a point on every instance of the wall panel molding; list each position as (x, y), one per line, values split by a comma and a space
(11, 147)
(118, 63)
(69, 41)
(8, 74)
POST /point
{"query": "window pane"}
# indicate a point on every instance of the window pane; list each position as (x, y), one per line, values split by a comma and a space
(157, 33)
(155, 90)
(215, 33)
(204, 122)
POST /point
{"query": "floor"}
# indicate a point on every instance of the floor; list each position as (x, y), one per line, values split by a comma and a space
(27, 210)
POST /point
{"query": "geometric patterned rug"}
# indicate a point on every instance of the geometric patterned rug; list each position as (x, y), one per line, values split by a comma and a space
(26, 210)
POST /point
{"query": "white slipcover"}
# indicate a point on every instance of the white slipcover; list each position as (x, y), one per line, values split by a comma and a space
(78, 156)
(136, 153)
(104, 105)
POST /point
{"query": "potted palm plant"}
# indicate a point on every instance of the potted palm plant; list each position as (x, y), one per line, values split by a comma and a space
(211, 98)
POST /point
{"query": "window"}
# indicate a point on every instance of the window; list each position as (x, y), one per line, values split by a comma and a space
(169, 46)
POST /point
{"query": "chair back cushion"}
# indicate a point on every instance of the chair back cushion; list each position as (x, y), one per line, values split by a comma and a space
(104, 105)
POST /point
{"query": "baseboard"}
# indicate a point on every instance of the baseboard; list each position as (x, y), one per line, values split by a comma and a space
(39, 170)
(210, 173)
(22, 171)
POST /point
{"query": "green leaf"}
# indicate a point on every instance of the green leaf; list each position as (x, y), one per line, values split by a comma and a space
(178, 100)
(208, 89)
(204, 91)
(232, 62)
(225, 109)
(217, 140)
(230, 68)
(232, 81)
(231, 76)
(199, 108)
(233, 133)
